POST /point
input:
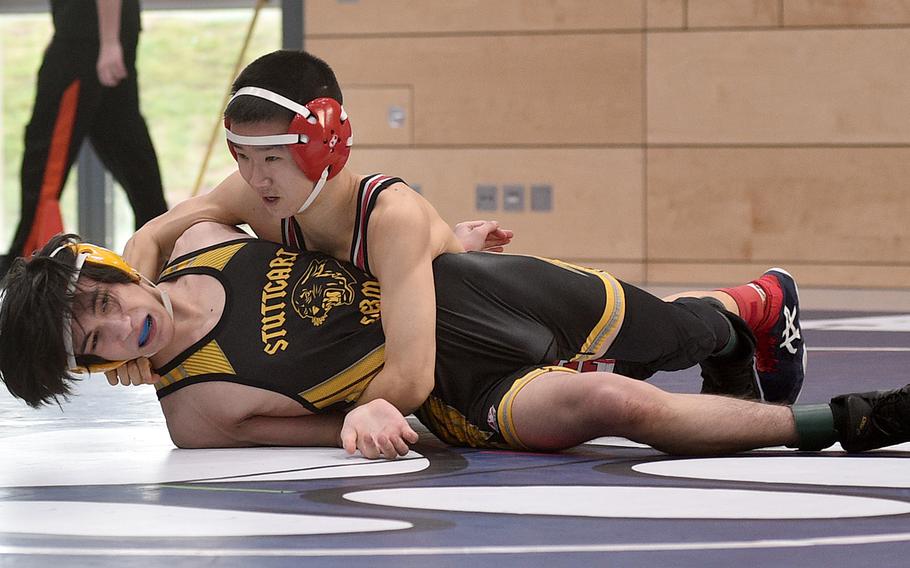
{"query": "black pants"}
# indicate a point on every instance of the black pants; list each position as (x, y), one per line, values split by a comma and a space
(70, 106)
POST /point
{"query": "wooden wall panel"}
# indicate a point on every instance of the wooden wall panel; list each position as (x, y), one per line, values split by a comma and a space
(779, 87)
(492, 90)
(370, 17)
(846, 12)
(697, 275)
(597, 213)
(666, 14)
(733, 13)
(380, 115)
(770, 205)
(775, 131)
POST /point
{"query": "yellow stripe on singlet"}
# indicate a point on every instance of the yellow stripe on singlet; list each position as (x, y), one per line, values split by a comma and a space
(610, 321)
(348, 384)
(451, 426)
(504, 411)
(216, 259)
(210, 359)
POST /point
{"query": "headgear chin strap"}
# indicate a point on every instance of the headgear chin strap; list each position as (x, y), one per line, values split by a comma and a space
(319, 136)
(99, 256)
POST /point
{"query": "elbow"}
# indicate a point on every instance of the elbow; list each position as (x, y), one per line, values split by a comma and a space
(184, 441)
(198, 438)
(420, 385)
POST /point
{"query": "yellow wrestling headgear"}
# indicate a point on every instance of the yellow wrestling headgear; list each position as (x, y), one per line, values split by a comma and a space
(100, 256)
(97, 256)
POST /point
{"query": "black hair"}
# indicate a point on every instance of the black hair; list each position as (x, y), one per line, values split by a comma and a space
(36, 299)
(297, 75)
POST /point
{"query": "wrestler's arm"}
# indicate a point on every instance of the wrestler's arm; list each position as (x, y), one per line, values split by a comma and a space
(212, 417)
(401, 256)
(230, 203)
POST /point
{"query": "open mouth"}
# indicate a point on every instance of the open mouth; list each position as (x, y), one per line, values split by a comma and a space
(146, 331)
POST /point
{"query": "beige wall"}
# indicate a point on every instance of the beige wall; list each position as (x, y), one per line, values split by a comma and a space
(683, 141)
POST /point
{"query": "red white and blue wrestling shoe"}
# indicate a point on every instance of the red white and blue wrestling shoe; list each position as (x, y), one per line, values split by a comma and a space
(780, 356)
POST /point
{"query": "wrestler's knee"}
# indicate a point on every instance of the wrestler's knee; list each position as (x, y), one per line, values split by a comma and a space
(619, 405)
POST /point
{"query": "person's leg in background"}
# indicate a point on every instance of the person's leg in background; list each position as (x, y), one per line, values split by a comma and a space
(124, 146)
(67, 95)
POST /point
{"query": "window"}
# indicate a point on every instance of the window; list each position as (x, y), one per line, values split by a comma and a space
(185, 62)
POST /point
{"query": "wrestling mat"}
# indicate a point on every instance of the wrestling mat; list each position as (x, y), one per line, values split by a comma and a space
(100, 484)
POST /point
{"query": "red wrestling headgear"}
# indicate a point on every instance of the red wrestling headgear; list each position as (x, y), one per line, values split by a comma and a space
(319, 136)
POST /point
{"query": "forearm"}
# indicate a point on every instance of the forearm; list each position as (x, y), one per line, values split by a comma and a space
(109, 21)
(162, 232)
(406, 392)
(323, 430)
(317, 430)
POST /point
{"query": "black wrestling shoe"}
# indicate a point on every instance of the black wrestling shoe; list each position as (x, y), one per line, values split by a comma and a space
(733, 374)
(870, 420)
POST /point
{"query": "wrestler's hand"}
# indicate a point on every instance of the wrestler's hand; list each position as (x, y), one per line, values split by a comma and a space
(110, 67)
(136, 372)
(377, 429)
(482, 235)
(142, 253)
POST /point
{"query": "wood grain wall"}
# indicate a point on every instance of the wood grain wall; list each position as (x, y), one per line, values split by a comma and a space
(680, 141)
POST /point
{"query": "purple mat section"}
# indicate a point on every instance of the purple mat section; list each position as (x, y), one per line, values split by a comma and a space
(446, 538)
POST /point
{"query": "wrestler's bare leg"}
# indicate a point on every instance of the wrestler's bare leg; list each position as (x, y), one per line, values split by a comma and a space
(558, 410)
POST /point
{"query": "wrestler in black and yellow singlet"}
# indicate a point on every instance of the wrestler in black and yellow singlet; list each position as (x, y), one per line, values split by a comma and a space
(306, 325)
(299, 324)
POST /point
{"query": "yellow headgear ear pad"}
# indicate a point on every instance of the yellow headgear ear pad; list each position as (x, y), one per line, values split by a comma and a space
(98, 367)
(100, 256)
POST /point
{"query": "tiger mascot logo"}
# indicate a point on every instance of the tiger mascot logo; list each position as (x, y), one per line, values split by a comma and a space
(320, 289)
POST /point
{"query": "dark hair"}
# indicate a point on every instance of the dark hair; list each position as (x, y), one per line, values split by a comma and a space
(296, 75)
(35, 301)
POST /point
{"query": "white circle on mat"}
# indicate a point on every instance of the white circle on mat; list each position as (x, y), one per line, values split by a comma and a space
(864, 471)
(625, 443)
(145, 454)
(633, 502)
(132, 520)
(616, 441)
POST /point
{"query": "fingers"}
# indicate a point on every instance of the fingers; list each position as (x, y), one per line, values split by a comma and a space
(385, 447)
(349, 439)
(381, 445)
(135, 372)
(401, 445)
(377, 429)
(147, 374)
(111, 75)
(110, 67)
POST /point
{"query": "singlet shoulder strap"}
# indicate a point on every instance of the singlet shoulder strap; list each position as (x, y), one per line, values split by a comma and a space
(215, 257)
(370, 188)
(291, 234)
(205, 357)
(207, 360)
